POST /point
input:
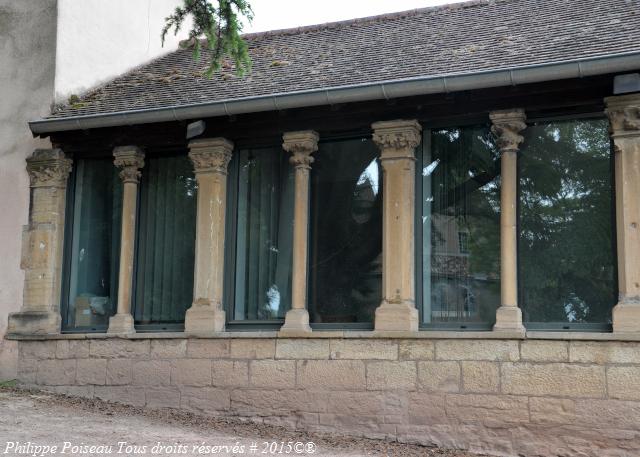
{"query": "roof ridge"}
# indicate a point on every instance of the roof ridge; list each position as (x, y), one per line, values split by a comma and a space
(368, 19)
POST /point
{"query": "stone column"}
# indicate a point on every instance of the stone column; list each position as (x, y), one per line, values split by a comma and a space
(210, 157)
(624, 116)
(301, 145)
(130, 159)
(507, 125)
(397, 141)
(42, 245)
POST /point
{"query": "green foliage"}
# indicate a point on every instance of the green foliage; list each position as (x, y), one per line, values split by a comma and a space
(220, 26)
(566, 247)
(9, 383)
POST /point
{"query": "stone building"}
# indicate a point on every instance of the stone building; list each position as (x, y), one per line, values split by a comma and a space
(421, 226)
(49, 51)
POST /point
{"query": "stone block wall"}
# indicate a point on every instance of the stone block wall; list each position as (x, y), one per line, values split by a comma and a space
(507, 397)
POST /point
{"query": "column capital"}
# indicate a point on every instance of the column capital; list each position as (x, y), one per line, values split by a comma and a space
(48, 168)
(130, 159)
(210, 155)
(506, 126)
(624, 114)
(301, 145)
(397, 139)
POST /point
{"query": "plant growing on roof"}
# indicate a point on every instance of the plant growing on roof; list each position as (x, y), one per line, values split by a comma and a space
(219, 23)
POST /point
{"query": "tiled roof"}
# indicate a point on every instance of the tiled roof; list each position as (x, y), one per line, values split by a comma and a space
(459, 38)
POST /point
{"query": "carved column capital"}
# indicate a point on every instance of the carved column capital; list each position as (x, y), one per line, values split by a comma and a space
(48, 168)
(507, 125)
(300, 145)
(624, 115)
(211, 155)
(130, 159)
(397, 139)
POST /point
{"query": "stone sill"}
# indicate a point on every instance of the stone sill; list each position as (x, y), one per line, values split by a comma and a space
(346, 334)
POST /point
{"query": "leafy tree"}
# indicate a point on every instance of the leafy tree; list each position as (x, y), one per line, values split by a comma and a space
(218, 22)
(566, 247)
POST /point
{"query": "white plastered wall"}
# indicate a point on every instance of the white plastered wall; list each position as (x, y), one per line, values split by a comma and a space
(101, 39)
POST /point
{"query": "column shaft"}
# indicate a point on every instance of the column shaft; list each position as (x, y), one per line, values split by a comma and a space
(42, 245)
(210, 157)
(397, 141)
(130, 159)
(624, 115)
(301, 145)
(506, 127)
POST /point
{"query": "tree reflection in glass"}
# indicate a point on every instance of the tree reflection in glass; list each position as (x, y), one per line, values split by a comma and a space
(566, 250)
(345, 275)
(460, 226)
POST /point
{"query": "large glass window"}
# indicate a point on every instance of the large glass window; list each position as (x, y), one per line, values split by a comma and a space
(345, 276)
(566, 250)
(261, 218)
(93, 244)
(459, 198)
(166, 241)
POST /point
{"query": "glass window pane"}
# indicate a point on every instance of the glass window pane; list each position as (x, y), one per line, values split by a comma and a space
(566, 250)
(166, 241)
(460, 226)
(345, 275)
(95, 244)
(264, 234)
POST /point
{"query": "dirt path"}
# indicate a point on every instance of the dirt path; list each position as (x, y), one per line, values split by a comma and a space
(30, 419)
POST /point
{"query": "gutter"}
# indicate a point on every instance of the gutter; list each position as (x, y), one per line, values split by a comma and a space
(408, 87)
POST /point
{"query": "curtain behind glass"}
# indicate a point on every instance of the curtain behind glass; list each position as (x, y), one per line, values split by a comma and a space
(345, 274)
(566, 245)
(264, 235)
(166, 241)
(95, 244)
(460, 226)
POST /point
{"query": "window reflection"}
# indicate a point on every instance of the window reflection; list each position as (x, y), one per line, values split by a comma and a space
(566, 247)
(264, 234)
(166, 241)
(346, 232)
(460, 226)
(95, 244)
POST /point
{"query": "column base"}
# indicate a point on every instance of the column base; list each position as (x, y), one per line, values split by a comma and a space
(34, 323)
(626, 316)
(508, 318)
(121, 324)
(396, 317)
(296, 321)
(204, 319)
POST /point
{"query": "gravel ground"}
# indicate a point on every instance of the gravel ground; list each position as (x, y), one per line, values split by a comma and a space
(45, 419)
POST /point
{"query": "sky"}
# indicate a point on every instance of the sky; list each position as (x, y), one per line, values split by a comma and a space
(282, 14)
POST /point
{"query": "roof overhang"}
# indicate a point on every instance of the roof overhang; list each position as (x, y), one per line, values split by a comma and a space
(578, 68)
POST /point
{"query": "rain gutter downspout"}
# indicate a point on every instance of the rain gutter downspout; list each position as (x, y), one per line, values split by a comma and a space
(408, 87)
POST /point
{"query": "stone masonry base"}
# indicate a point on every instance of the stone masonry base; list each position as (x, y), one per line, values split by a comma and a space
(506, 397)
